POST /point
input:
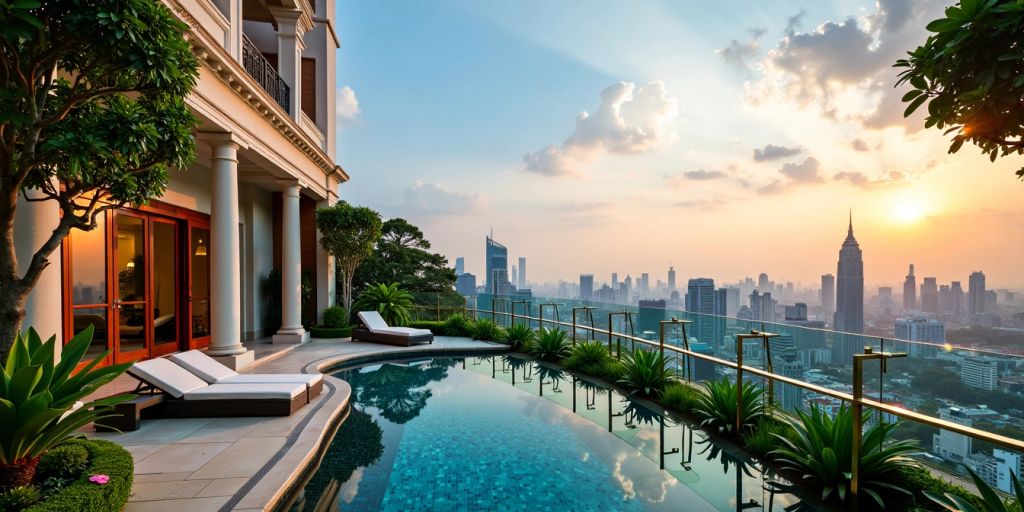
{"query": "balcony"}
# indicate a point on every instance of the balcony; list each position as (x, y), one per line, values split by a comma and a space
(258, 67)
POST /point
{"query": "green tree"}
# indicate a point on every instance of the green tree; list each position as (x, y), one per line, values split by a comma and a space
(92, 115)
(403, 256)
(348, 233)
(970, 71)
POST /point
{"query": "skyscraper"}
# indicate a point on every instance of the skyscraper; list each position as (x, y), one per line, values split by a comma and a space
(586, 286)
(671, 279)
(496, 258)
(976, 295)
(460, 266)
(828, 294)
(763, 285)
(522, 273)
(513, 277)
(465, 284)
(615, 280)
(957, 298)
(910, 291)
(849, 316)
(645, 285)
(929, 295)
(762, 307)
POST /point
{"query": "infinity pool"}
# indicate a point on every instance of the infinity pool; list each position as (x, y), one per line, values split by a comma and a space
(503, 433)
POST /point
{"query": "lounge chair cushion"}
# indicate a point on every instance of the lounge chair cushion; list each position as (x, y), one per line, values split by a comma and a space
(167, 376)
(376, 324)
(210, 370)
(204, 366)
(247, 392)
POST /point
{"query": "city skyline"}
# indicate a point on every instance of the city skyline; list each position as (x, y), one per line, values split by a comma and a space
(753, 152)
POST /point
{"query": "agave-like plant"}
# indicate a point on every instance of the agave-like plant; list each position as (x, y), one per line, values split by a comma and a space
(991, 502)
(486, 330)
(458, 325)
(550, 345)
(35, 393)
(393, 303)
(819, 448)
(519, 336)
(718, 406)
(645, 372)
(587, 354)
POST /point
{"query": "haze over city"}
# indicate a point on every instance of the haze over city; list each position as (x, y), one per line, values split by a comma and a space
(604, 138)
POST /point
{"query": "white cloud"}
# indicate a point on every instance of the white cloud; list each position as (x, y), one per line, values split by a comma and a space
(434, 199)
(804, 172)
(346, 107)
(630, 119)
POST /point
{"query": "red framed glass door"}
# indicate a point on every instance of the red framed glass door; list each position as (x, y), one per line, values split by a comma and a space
(87, 288)
(165, 269)
(198, 284)
(131, 276)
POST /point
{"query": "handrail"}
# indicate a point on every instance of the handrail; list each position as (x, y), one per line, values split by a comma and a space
(259, 68)
(1006, 442)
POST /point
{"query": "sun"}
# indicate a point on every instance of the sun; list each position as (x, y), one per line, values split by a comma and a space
(907, 210)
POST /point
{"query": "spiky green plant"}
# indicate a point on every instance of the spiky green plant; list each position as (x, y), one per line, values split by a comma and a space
(393, 303)
(19, 498)
(990, 500)
(486, 330)
(587, 354)
(550, 345)
(718, 406)
(458, 325)
(36, 391)
(519, 336)
(820, 450)
(645, 373)
(763, 439)
(680, 397)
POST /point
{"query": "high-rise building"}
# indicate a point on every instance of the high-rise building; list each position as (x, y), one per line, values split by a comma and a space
(651, 313)
(700, 296)
(788, 396)
(921, 329)
(980, 372)
(586, 286)
(956, 293)
(797, 311)
(991, 302)
(627, 284)
(513, 277)
(671, 279)
(732, 301)
(762, 307)
(929, 295)
(849, 316)
(496, 258)
(499, 284)
(465, 284)
(945, 299)
(702, 368)
(645, 284)
(910, 291)
(828, 294)
(522, 273)
(950, 445)
(763, 284)
(1008, 465)
(886, 302)
(976, 295)
(615, 280)
(460, 266)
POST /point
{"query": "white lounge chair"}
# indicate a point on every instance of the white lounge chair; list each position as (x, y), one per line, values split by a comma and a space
(211, 371)
(186, 395)
(377, 330)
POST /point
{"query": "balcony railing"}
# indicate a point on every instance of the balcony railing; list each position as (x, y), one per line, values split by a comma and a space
(260, 69)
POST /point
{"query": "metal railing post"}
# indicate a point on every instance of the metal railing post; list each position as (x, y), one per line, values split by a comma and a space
(740, 338)
(857, 406)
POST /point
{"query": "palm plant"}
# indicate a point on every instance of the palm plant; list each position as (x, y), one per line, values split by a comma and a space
(550, 345)
(458, 325)
(486, 330)
(645, 372)
(519, 336)
(718, 406)
(35, 393)
(819, 448)
(990, 500)
(389, 300)
(587, 355)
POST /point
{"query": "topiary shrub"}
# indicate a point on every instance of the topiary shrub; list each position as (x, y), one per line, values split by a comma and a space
(105, 458)
(680, 397)
(335, 317)
(458, 325)
(19, 498)
(487, 330)
(65, 461)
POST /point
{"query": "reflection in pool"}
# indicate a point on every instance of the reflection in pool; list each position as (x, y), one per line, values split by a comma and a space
(503, 433)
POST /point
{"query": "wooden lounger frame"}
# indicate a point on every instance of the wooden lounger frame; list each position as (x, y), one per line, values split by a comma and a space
(364, 334)
(173, 407)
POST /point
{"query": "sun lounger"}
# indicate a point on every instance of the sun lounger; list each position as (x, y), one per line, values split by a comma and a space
(189, 396)
(375, 329)
(211, 371)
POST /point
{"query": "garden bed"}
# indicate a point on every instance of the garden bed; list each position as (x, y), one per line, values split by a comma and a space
(79, 494)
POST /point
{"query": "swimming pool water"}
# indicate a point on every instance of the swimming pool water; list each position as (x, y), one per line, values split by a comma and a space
(500, 433)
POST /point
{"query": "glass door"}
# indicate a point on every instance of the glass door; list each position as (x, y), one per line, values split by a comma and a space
(132, 313)
(166, 279)
(88, 287)
(199, 284)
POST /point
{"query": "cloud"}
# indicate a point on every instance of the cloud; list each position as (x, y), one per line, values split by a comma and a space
(701, 204)
(805, 172)
(795, 21)
(773, 152)
(740, 54)
(677, 180)
(346, 107)
(630, 119)
(434, 199)
(859, 145)
(859, 179)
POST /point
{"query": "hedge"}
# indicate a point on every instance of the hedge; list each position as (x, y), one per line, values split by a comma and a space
(105, 458)
(432, 325)
(330, 332)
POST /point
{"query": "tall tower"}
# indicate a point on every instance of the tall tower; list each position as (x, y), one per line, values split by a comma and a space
(522, 273)
(496, 278)
(460, 266)
(828, 294)
(849, 315)
(910, 291)
(671, 279)
(975, 295)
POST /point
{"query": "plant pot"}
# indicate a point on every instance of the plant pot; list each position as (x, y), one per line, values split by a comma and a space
(19, 474)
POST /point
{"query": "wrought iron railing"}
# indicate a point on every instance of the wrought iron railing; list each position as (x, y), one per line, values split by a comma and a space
(265, 74)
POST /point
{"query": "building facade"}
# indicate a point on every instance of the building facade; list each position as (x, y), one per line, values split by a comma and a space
(849, 315)
(194, 268)
(921, 329)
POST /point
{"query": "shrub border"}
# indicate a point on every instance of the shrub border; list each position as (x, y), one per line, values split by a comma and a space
(105, 458)
(330, 332)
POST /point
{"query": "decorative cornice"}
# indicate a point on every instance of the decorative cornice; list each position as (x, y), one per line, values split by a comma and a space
(215, 58)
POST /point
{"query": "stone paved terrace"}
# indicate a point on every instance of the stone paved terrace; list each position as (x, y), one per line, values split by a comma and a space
(247, 464)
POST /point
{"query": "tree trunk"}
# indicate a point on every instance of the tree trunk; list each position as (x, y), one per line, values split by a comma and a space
(12, 313)
(18, 474)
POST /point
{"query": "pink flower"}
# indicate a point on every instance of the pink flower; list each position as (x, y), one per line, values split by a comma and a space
(99, 479)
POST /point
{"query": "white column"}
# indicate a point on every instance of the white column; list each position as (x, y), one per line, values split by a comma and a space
(33, 223)
(290, 27)
(225, 265)
(325, 282)
(291, 270)
(234, 35)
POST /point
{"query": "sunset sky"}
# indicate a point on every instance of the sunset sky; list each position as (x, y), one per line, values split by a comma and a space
(725, 138)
